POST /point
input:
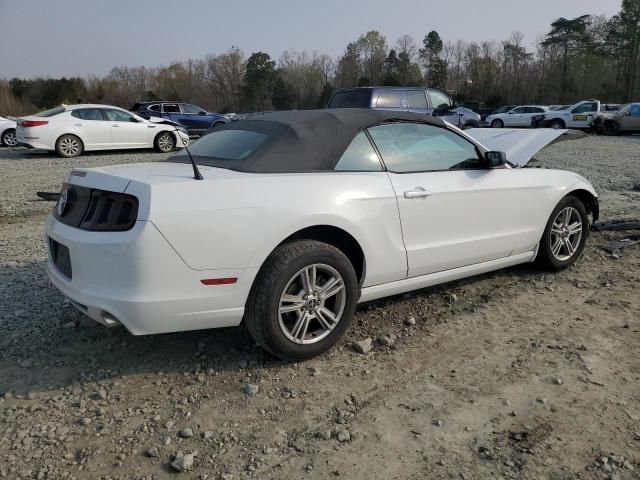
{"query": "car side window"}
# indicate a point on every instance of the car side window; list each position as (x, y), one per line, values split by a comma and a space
(154, 108)
(585, 107)
(635, 111)
(88, 114)
(439, 100)
(188, 108)
(359, 156)
(418, 147)
(117, 115)
(389, 100)
(416, 99)
(537, 110)
(518, 110)
(171, 108)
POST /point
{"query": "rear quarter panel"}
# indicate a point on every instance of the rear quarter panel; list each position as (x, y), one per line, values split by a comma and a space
(235, 220)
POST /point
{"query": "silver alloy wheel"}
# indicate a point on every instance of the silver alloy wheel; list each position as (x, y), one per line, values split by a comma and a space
(165, 142)
(566, 233)
(312, 304)
(10, 139)
(70, 146)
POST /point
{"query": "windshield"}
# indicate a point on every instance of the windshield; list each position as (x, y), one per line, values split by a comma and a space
(351, 99)
(51, 112)
(226, 144)
(625, 108)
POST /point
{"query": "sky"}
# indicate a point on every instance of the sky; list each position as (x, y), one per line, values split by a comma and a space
(54, 38)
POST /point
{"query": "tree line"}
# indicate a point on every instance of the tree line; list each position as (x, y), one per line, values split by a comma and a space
(588, 56)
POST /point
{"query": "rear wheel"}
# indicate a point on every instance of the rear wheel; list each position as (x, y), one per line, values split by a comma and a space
(69, 146)
(303, 300)
(557, 124)
(565, 235)
(165, 142)
(497, 123)
(9, 138)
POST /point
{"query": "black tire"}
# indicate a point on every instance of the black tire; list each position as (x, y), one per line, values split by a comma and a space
(497, 123)
(546, 257)
(217, 124)
(611, 128)
(557, 124)
(8, 138)
(164, 142)
(69, 146)
(262, 316)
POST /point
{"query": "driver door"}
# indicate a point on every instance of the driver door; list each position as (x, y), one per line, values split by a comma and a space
(454, 212)
(126, 130)
(516, 118)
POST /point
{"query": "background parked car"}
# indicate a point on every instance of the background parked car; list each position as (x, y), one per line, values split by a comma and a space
(625, 120)
(426, 101)
(8, 132)
(577, 116)
(71, 129)
(194, 119)
(519, 116)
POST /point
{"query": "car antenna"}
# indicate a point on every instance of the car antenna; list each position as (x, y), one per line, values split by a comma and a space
(196, 173)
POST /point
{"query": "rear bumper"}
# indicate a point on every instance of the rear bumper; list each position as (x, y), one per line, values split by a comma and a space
(29, 141)
(136, 279)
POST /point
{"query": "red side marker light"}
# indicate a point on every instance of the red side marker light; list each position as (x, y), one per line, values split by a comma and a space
(219, 281)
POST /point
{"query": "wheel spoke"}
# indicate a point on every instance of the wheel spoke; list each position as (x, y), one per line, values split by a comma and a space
(566, 217)
(575, 228)
(326, 318)
(299, 330)
(290, 303)
(555, 248)
(330, 288)
(306, 280)
(569, 247)
(556, 229)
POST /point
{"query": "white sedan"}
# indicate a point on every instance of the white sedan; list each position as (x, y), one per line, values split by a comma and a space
(288, 219)
(520, 116)
(8, 132)
(70, 130)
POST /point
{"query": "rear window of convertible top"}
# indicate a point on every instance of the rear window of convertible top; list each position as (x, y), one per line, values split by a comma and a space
(227, 144)
(234, 142)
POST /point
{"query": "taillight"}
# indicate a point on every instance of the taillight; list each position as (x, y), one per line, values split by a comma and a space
(110, 211)
(33, 123)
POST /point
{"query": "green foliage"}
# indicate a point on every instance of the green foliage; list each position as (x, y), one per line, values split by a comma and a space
(259, 78)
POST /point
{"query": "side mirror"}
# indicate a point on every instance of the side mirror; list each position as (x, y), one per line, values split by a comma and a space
(202, 113)
(495, 159)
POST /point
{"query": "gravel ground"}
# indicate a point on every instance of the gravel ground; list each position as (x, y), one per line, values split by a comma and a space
(515, 374)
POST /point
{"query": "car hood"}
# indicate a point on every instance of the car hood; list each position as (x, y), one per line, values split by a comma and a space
(520, 145)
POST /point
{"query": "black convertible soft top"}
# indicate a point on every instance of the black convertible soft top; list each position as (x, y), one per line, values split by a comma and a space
(301, 140)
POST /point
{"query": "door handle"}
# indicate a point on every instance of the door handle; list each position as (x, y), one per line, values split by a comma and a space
(418, 192)
(115, 125)
(78, 124)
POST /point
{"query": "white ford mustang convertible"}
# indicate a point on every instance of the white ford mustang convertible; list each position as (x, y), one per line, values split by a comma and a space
(287, 220)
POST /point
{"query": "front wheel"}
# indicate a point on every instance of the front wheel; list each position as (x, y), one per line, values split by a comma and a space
(565, 235)
(303, 300)
(9, 138)
(165, 142)
(611, 128)
(497, 123)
